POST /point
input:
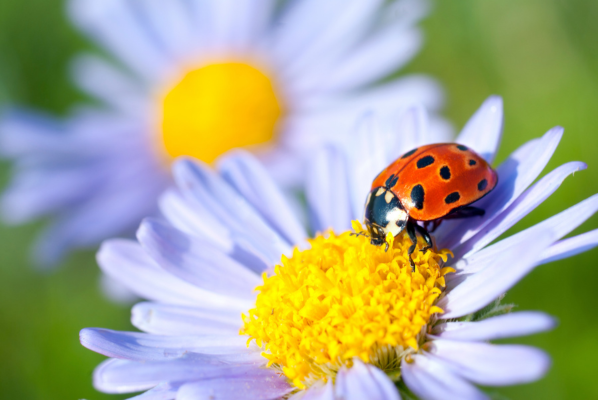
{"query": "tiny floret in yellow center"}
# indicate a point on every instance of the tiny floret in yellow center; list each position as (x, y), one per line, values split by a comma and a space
(218, 107)
(345, 298)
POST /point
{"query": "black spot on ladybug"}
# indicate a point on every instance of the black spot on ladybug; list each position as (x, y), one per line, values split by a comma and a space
(425, 161)
(452, 198)
(445, 172)
(461, 147)
(482, 184)
(472, 162)
(409, 153)
(417, 195)
(391, 181)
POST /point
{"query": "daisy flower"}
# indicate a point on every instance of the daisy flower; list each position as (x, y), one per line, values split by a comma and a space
(333, 316)
(197, 78)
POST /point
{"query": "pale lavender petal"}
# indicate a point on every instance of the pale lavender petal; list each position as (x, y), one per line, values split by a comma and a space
(125, 376)
(340, 31)
(497, 276)
(138, 346)
(414, 131)
(430, 380)
(483, 131)
(290, 34)
(489, 364)
(249, 177)
(168, 319)
(570, 247)
(114, 208)
(500, 327)
(318, 391)
(392, 47)
(171, 25)
(236, 24)
(327, 191)
(257, 384)
(107, 83)
(368, 155)
(196, 261)
(126, 261)
(514, 176)
(98, 19)
(364, 381)
(188, 216)
(522, 206)
(33, 192)
(162, 391)
(25, 133)
(229, 208)
(557, 226)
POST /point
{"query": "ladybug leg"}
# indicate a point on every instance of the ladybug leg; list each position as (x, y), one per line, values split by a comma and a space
(423, 232)
(410, 229)
(436, 224)
(359, 234)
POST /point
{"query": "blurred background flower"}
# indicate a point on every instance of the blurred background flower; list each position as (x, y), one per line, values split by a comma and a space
(198, 78)
(541, 56)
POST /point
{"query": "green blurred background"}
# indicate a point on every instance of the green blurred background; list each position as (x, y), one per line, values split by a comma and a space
(539, 55)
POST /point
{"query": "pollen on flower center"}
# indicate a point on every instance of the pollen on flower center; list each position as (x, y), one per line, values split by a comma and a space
(218, 107)
(345, 298)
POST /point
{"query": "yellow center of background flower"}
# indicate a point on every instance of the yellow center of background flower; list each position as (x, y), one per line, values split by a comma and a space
(345, 298)
(218, 107)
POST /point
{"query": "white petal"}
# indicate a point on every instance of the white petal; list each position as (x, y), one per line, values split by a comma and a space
(125, 376)
(368, 155)
(340, 31)
(171, 25)
(196, 262)
(496, 277)
(327, 191)
(431, 380)
(168, 319)
(489, 364)
(317, 391)
(392, 48)
(258, 384)
(211, 193)
(138, 346)
(107, 83)
(252, 181)
(483, 131)
(500, 327)
(131, 42)
(570, 247)
(188, 216)
(126, 261)
(556, 227)
(364, 381)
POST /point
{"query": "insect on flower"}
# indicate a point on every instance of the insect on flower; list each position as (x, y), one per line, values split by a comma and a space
(429, 183)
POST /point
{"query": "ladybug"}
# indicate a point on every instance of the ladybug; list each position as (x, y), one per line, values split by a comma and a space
(429, 183)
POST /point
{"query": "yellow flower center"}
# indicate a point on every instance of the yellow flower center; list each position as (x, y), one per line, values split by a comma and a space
(218, 107)
(345, 298)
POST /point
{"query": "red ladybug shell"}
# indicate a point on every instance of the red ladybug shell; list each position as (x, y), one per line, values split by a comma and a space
(436, 179)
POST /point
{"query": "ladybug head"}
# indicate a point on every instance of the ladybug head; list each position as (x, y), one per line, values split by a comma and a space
(384, 213)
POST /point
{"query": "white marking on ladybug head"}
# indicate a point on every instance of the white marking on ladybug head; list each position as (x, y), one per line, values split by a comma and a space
(388, 196)
(380, 191)
(393, 216)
